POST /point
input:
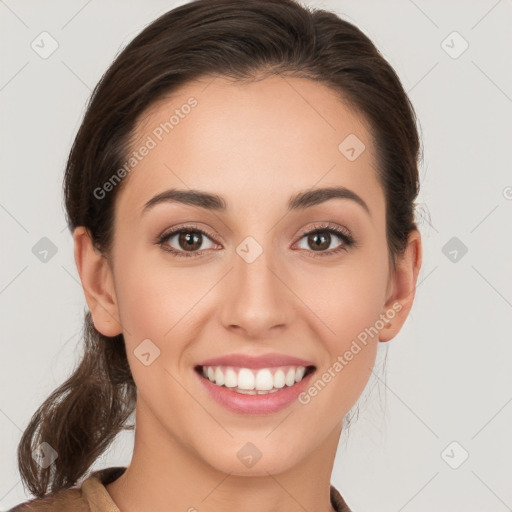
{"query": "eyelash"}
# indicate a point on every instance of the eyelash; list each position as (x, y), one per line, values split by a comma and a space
(343, 234)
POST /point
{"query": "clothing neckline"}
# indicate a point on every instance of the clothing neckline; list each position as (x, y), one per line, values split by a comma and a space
(99, 499)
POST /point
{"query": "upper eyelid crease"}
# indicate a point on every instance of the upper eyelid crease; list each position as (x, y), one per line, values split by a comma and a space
(214, 202)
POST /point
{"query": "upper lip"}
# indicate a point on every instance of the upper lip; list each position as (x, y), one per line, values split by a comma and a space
(263, 361)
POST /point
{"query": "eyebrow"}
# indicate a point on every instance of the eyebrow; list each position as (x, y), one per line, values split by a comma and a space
(214, 202)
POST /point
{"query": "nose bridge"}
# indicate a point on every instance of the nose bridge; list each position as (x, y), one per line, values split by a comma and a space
(257, 298)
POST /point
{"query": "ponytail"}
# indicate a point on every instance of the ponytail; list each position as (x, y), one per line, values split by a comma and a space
(81, 418)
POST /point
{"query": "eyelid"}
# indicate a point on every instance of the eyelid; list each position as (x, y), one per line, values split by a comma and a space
(318, 226)
(340, 231)
(189, 226)
(348, 241)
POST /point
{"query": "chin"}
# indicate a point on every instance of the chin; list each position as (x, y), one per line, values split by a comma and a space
(246, 458)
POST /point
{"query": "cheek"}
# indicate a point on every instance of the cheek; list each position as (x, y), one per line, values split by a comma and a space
(349, 306)
(153, 296)
(347, 300)
(153, 304)
(347, 303)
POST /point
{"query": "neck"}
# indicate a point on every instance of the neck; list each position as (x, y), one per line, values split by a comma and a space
(165, 476)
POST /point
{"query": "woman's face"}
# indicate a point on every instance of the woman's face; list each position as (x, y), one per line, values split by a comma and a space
(256, 281)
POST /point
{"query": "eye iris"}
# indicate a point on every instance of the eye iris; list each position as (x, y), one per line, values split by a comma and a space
(313, 240)
(190, 240)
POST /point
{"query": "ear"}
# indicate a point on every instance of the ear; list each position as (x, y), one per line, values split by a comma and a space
(98, 283)
(402, 287)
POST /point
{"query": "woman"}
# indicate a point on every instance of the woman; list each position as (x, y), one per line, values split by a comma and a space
(241, 198)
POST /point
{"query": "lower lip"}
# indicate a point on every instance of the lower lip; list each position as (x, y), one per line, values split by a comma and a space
(255, 404)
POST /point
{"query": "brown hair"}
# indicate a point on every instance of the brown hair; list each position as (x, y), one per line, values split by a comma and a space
(243, 40)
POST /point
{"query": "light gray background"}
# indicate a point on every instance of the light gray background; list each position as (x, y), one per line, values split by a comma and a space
(448, 371)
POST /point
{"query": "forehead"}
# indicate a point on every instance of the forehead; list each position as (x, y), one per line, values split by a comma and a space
(246, 142)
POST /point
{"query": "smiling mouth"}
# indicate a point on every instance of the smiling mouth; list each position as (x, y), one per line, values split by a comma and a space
(255, 381)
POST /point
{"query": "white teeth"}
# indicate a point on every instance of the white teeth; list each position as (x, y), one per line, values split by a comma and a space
(279, 379)
(230, 379)
(264, 380)
(251, 381)
(245, 379)
(290, 377)
(219, 377)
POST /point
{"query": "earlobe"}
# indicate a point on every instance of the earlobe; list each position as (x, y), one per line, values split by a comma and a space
(404, 282)
(97, 282)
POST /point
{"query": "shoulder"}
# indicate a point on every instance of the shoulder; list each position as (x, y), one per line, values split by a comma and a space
(67, 500)
(77, 499)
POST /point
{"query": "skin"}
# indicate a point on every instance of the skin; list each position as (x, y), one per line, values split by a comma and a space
(255, 144)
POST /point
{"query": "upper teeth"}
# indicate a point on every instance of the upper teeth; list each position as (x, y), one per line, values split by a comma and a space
(263, 379)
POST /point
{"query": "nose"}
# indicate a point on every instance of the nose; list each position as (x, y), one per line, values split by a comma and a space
(257, 301)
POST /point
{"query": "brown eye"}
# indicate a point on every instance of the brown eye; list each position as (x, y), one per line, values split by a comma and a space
(186, 242)
(190, 240)
(319, 241)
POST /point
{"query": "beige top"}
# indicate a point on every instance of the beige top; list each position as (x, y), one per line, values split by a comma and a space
(93, 496)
